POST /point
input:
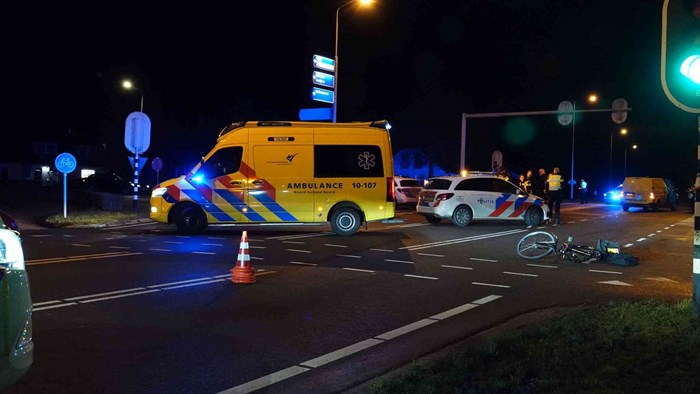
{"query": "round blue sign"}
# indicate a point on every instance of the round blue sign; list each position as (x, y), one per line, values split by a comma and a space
(65, 162)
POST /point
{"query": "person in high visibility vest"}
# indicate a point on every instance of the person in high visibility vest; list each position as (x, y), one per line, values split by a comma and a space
(583, 187)
(554, 195)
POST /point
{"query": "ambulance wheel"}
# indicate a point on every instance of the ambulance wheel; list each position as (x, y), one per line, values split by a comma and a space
(190, 220)
(345, 221)
(462, 216)
(534, 216)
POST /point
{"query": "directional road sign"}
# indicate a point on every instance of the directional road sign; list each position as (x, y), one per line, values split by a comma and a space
(322, 95)
(323, 79)
(324, 63)
(137, 132)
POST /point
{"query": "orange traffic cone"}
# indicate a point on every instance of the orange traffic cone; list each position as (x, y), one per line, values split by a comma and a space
(243, 272)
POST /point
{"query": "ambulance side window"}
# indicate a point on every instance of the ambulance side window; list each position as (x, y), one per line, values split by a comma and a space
(348, 161)
(224, 161)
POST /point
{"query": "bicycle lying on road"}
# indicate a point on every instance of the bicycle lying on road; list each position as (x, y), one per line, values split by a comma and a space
(538, 244)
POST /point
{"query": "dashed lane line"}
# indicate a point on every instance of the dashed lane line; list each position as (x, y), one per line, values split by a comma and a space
(520, 274)
(456, 267)
(327, 358)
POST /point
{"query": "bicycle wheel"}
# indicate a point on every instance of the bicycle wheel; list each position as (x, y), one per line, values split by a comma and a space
(536, 245)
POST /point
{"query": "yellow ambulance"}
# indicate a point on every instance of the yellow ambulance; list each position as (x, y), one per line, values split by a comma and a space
(264, 172)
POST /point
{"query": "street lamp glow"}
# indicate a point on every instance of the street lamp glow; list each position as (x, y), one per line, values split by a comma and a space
(363, 3)
(128, 85)
(623, 131)
(592, 98)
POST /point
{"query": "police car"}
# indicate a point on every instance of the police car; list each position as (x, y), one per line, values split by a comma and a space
(479, 196)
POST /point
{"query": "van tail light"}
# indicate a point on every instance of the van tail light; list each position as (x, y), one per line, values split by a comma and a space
(444, 196)
(651, 195)
(390, 192)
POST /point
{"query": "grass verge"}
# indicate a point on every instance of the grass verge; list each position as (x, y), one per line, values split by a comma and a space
(92, 218)
(621, 347)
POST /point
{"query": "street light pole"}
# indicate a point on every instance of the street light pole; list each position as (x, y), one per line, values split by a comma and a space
(335, 58)
(622, 132)
(591, 98)
(573, 134)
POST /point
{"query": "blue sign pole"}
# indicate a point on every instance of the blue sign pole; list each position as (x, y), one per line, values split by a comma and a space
(65, 163)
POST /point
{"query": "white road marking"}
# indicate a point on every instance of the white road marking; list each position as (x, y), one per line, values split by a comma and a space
(195, 252)
(490, 284)
(382, 250)
(615, 282)
(641, 239)
(358, 269)
(606, 272)
(457, 267)
(120, 247)
(40, 235)
(212, 245)
(256, 258)
(257, 247)
(487, 260)
(336, 246)
(194, 284)
(651, 235)
(627, 245)
(658, 231)
(299, 250)
(340, 353)
(661, 279)
(352, 256)
(82, 245)
(421, 277)
(406, 329)
(281, 237)
(221, 238)
(294, 242)
(300, 263)
(174, 242)
(265, 381)
(160, 250)
(519, 273)
(120, 296)
(431, 255)
(177, 283)
(461, 240)
(286, 373)
(398, 261)
(543, 266)
(53, 306)
(666, 228)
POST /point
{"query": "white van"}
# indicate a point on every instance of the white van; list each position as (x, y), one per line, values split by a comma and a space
(647, 192)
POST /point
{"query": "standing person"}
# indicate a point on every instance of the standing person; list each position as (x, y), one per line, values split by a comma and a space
(583, 186)
(542, 190)
(522, 182)
(532, 182)
(554, 195)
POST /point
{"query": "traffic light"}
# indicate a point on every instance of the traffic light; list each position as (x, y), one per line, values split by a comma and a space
(680, 53)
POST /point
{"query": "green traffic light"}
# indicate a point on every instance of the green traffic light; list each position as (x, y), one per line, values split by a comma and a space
(690, 68)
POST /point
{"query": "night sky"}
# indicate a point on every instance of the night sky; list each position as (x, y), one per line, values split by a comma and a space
(419, 64)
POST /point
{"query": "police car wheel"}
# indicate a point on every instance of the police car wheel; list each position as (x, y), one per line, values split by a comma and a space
(345, 221)
(190, 220)
(433, 219)
(533, 216)
(462, 216)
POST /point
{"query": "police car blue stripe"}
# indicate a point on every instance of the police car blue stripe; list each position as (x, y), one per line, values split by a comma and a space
(519, 202)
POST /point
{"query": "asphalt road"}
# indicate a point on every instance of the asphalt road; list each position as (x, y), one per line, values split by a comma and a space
(140, 309)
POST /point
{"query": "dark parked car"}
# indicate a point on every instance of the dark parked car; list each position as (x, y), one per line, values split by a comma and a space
(110, 182)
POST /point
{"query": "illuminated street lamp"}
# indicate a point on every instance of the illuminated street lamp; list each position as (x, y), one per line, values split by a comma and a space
(337, 17)
(592, 98)
(128, 85)
(634, 147)
(622, 132)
